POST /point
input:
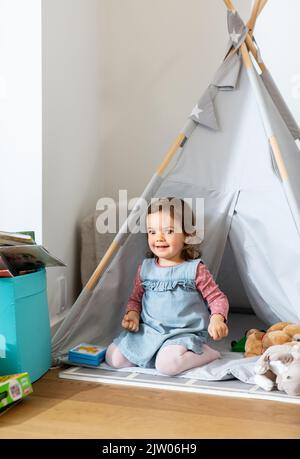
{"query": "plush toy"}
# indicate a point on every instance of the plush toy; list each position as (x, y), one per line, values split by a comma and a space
(257, 341)
(279, 366)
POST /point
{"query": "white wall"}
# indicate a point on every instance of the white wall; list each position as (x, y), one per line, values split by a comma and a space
(73, 152)
(278, 35)
(20, 116)
(50, 125)
(159, 57)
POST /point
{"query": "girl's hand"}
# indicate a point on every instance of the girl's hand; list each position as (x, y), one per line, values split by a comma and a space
(217, 327)
(131, 321)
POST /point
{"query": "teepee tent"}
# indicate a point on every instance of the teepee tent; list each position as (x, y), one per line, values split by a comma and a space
(238, 152)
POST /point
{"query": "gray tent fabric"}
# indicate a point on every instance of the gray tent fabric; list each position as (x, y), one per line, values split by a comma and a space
(204, 112)
(237, 29)
(265, 241)
(286, 140)
(226, 78)
(281, 104)
(229, 165)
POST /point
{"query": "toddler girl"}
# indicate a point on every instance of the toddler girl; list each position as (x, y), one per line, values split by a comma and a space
(167, 319)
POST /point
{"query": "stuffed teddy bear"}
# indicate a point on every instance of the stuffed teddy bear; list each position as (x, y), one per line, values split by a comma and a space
(257, 341)
(279, 365)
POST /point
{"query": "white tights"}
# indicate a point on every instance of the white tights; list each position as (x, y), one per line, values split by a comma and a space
(170, 360)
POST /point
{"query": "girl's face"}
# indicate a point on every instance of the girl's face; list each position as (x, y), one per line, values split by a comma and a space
(165, 237)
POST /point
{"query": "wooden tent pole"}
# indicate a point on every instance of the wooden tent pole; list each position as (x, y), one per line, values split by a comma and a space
(115, 245)
(254, 14)
(272, 139)
(261, 6)
(249, 41)
(257, 9)
(232, 50)
(229, 5)
(112, 249)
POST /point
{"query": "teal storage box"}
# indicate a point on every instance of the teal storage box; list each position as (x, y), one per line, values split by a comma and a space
(25, 339)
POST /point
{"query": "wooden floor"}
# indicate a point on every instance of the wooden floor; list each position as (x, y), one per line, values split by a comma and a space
(71, 409)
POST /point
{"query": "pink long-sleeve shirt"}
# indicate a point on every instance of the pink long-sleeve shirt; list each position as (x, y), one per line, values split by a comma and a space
(216, 300)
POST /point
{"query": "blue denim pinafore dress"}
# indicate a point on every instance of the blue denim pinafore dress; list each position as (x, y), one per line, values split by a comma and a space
(173, 312)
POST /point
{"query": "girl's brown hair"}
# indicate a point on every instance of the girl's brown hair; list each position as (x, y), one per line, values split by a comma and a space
(178, 207)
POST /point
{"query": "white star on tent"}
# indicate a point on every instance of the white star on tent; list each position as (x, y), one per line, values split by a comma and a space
(196, 111)
(235, 36)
